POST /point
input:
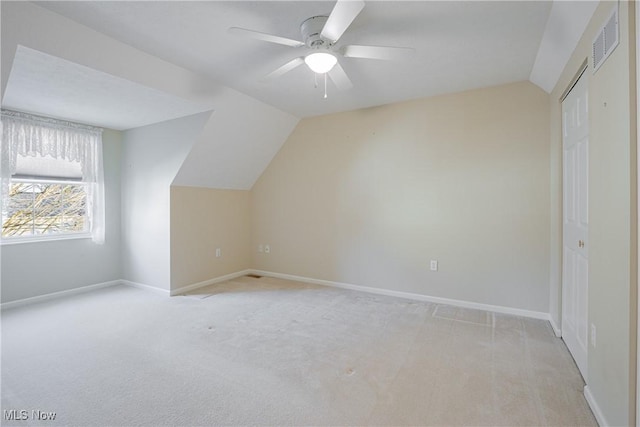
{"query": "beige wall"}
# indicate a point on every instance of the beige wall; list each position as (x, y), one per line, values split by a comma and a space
(202, 220)
(612, 215)
(368, 197)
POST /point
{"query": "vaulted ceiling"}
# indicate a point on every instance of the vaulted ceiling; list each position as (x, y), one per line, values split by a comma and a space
(127, 64)
(459, 45)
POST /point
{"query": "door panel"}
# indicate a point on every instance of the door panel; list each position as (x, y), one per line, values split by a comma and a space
(575, 269)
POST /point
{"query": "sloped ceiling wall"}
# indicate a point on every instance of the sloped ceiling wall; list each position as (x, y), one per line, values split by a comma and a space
(566, 24)
(235, 146)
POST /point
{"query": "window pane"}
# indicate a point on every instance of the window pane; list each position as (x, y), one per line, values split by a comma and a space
(44, 208)
(20, 218)
(37, 208)
(72, 208)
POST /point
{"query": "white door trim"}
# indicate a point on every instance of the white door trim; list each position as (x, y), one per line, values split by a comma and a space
(637, 7)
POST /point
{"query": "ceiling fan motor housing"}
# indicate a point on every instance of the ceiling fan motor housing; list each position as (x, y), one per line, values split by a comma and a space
(311, 30)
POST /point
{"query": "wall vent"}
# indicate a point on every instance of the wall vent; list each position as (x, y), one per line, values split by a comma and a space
(606, 41)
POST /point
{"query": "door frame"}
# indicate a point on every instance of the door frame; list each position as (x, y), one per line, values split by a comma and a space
(637, 314)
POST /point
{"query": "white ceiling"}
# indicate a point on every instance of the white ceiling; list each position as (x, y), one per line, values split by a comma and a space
(459, 45)
(54, 87)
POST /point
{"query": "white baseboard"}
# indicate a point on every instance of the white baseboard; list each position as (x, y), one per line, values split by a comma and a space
(56, 295)
(597, 412)
(213, 281)
(145, 287)
(379, 291)
(554, 326)
(409, 295)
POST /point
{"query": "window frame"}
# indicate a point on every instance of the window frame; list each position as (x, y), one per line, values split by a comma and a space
(85, 234)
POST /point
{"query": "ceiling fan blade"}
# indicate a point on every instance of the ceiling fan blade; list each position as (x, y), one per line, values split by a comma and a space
(340, 78)
(377, 52)
(264, 37)
(342, 15)
(283, 69)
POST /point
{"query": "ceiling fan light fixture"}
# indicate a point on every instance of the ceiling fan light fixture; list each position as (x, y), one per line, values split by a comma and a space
(320, 62)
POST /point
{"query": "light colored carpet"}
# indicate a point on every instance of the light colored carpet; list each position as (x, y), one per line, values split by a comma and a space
(273, 352)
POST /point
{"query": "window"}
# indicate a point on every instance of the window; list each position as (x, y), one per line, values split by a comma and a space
(52, 185)
(45, 208)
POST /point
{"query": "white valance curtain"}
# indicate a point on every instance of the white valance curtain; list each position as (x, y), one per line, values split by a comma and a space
(28, 135)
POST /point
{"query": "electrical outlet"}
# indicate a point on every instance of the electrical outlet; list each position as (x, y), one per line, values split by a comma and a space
(593, 335)
(260, 248)
(267, 249)
(434, 265)
(218, 252)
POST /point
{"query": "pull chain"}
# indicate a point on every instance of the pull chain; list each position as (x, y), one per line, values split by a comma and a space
(325, 85)
(315, 80)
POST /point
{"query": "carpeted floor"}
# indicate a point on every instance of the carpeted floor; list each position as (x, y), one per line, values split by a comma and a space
(273, 352)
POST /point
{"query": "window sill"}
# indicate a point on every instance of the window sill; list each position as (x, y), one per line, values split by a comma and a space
(39, 239)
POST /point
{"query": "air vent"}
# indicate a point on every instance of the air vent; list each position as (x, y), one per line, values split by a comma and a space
(606, 41)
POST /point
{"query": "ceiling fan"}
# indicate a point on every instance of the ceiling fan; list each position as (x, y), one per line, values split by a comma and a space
(320, 35)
